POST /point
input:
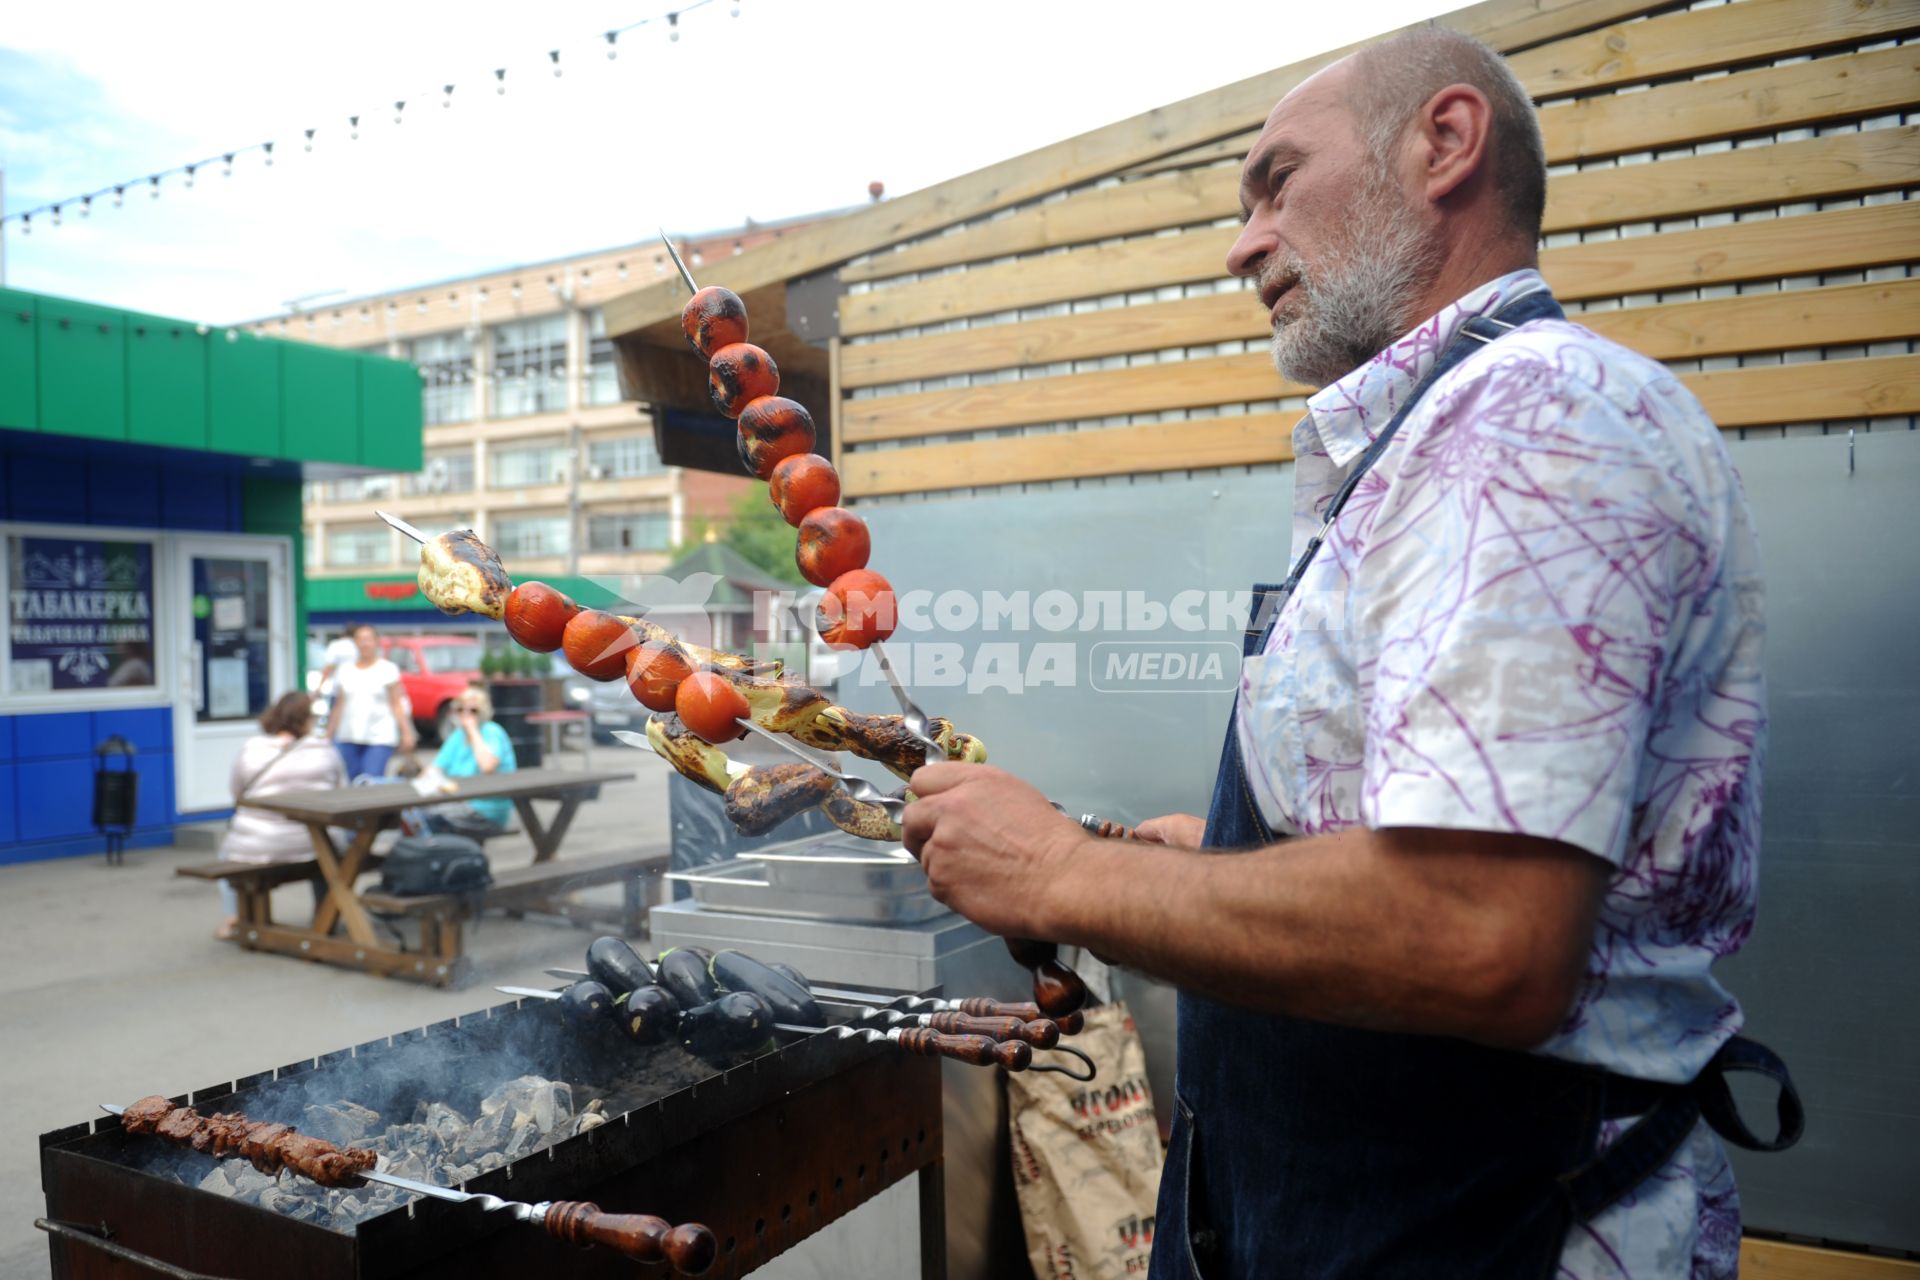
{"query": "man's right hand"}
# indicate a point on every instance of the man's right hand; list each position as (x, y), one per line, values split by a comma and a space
(1181, 830)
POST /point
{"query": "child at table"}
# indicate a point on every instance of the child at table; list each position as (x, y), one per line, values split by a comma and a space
(476, 747)
(284, 756)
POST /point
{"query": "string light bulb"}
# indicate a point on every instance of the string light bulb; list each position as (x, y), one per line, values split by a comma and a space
(86, 206)
(119, 197)
(226, 165)
(447, 100)
(310, 134)
(500, 79)
(354, 130)
(673, 26)
(613, 41)
(153, 186)
(268, 148)
(189, 177)
(553, 55)
(56, 215)
(26, 224)
(398, 107)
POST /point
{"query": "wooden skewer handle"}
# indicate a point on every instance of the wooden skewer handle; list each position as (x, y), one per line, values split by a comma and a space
(979, 1051)
(690, 1248)
(1037, 1032)
(1106, 829)
(1071, 1024)
(1057, 989)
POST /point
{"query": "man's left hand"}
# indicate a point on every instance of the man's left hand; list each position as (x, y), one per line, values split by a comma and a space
(993, 848)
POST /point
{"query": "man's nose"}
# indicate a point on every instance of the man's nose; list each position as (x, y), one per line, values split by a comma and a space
(1251, 248)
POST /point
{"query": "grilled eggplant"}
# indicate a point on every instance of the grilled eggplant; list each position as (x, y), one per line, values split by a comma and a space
(648, 1014)
(792, 975)
(736, 1021)
(613, 963)
(790, 1002)
(586, 1003)
(683, 971)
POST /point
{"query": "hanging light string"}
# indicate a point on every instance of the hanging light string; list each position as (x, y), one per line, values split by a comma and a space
(116, 192)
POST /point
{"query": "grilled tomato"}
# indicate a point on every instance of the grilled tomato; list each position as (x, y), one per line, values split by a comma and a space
(833, 541)
(802, 483)
(596, 644)
(714, 318)
(773, 428)
(857, 610)
(739, 374)
(654, 673)
(709, 705)
(537, 616)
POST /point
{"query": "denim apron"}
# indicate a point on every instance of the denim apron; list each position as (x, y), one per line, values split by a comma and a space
(1305, 1149)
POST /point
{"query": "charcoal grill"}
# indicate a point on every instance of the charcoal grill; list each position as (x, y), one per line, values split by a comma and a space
(765, 1153)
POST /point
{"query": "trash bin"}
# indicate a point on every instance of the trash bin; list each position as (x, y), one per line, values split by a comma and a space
(513, 701)
(116, 795)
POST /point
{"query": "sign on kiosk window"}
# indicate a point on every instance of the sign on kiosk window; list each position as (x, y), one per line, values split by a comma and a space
(80, 614)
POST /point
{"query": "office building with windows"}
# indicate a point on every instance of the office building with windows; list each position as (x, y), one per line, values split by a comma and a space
(528, 440)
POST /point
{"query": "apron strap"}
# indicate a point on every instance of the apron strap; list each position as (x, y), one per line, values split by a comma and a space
(1670, 1113)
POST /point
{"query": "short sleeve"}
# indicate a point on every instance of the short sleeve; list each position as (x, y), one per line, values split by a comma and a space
(502, 747)
(1521, 585)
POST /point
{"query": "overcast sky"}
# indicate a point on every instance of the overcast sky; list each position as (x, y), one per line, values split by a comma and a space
(791, 107)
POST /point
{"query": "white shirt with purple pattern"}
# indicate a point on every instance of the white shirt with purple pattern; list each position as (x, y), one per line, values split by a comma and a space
(1540, 612)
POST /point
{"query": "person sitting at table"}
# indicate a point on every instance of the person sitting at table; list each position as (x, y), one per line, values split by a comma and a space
(477, 747)
(284, 756)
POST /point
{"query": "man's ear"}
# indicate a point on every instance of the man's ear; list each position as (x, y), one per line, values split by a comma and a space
(1456, 125)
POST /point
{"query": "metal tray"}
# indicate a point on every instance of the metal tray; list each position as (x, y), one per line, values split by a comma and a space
(876, 891)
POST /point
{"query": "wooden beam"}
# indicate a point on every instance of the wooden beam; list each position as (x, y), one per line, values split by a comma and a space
(1109, 451)
(1148, 388)
(1764, 249)
(1233, 147)
(1777, 1260)
(1148, 204)
(1671, 331)
(1779, 173)
(1784, 321)
(1831, 390)
(1759, 101)
(1185, 322)
(1191, 122)
(1827, 391)
(1675, 44)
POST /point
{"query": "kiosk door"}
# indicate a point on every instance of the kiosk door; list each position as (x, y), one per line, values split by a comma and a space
(235, 653)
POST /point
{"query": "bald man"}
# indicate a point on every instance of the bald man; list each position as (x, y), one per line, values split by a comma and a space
(1492, 778)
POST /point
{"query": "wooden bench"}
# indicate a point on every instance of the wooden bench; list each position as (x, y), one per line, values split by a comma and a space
(544, 886)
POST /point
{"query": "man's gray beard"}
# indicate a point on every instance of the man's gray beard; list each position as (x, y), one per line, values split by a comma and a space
(1363, 297)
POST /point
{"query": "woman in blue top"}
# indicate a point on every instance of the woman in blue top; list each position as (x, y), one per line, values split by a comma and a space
(477, 746)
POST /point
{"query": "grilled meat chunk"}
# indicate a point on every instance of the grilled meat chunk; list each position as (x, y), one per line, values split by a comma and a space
(270, 1147)
(461, 574)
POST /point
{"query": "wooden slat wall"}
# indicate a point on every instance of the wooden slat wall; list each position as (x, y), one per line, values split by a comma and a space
(1730, 192)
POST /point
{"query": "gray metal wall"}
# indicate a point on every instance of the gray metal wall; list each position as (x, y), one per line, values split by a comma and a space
(1832, 975)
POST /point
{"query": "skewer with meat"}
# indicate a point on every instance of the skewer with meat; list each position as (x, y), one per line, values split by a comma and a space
(271, 1148)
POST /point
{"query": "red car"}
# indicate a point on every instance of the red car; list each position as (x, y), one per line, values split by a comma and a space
(432, 670)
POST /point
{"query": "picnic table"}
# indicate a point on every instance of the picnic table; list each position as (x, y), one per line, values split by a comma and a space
(365, 812)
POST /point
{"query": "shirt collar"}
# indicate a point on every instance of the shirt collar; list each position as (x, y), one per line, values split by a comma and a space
(1349, 413)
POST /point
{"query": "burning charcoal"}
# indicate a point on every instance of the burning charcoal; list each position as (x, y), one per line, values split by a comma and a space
(410, 1165)
(488, 1163)
(545, 1102)
(218, 1182)
(441, 1121)
(343, 1123)
(488, 1133)
(248, 1182)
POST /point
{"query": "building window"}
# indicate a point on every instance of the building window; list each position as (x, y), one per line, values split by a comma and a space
(355, 547)
(530, 366)
(623, 458)
(603, 366)
(80, 614)
(629, 531)
(445, 361)
(361, 488)
(447, 471)
(526, 465)
(530, 536)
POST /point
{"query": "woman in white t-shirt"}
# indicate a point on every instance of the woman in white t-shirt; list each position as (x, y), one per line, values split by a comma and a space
(283, 756)
(368, 719)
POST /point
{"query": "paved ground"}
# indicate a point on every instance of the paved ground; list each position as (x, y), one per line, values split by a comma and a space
(111, 985)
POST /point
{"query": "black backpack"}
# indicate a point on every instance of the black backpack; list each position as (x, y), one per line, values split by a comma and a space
(418, 865)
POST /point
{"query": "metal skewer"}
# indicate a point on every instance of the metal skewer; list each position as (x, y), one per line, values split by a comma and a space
(691, 1248)
(857, 787)
(674, 253)
(916, 721)
(1014, 1055)
(404, 527)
